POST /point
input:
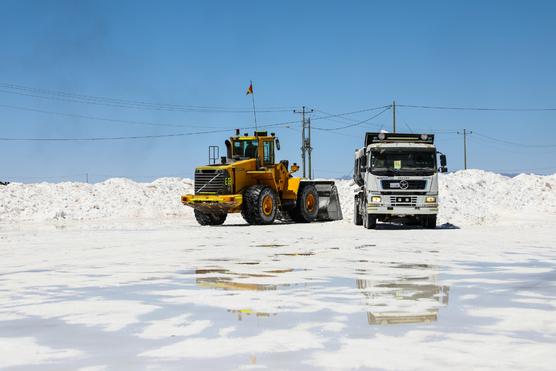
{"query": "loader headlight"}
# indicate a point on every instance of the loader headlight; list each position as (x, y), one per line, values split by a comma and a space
(430, 200)
(376, 199)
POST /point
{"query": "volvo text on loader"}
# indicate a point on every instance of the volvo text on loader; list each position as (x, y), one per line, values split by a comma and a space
(249, 181)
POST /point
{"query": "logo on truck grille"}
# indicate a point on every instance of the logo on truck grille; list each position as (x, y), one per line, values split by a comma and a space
(413, 184)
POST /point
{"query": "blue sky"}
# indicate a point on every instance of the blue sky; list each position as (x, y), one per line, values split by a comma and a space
(332, 56)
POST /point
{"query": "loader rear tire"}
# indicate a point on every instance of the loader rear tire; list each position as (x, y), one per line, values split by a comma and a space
(260, 205)
(307, 205)
(209, 219)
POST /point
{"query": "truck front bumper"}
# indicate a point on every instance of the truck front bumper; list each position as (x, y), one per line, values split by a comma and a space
(214, 203)
(402, 204)
(402, 210)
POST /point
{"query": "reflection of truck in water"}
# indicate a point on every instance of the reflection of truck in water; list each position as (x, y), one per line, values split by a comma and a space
(411, 299)
(397, 176)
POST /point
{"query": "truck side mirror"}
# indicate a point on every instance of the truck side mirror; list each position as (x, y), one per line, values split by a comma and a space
(363, 164)
(443, 160)
(277, 144)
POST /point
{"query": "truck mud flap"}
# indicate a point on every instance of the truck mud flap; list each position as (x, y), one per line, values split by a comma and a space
(329, 201)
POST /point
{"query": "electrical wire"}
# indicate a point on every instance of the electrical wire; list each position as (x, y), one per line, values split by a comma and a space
(135, 137)
(515, 143)
(122, 103)
(356, 123)
(476, 108)
(111, 120)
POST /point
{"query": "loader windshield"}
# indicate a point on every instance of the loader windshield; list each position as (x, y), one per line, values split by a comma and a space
(403, 161)
(243, 149)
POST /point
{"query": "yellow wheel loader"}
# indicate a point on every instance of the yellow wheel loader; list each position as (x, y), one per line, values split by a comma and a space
(248, 181)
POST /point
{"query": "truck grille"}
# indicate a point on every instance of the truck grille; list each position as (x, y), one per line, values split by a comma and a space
(400, 184)
(211, 182)
(403, 201)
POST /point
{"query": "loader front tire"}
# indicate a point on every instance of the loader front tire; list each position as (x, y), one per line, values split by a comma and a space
(209, 219)
(260, 205)
(307, 205)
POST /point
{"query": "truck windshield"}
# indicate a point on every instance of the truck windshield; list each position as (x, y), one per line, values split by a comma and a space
(245, 148)
(407, 162)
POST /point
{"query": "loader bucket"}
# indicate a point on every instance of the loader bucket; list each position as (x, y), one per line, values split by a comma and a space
(329, 201)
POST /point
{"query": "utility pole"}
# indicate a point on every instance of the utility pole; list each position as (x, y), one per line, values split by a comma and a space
(305, 139)
(465, 133)
(309, 148)
(393, 116)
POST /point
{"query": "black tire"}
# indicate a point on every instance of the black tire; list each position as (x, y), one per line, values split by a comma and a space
(209, 219)
(430, 222)
(369, 220)
(307, 206)
(357, 218)
(255, 209)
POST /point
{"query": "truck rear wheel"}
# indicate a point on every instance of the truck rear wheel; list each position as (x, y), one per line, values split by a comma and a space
(357, 218)
(209, 219)
(307, 205)
(260, 205)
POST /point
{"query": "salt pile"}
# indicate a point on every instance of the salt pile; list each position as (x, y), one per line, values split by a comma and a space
(468, 197)
(115, 198)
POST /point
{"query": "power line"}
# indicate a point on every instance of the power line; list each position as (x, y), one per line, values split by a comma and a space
(516, 143)
(88, 117)
(341, 119)
(135, 137)
(524, 170)
(356, 123)
(121, 103)
(351, 113)
(477, 108)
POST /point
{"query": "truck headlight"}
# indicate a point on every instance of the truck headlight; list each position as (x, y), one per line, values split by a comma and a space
(376, 199)
(430, 200)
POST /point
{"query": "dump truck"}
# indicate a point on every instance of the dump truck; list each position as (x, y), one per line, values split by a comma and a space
(249, 181)
(397, 175)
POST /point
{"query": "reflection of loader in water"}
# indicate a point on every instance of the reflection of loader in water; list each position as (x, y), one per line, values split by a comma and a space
(407, 300)
(223, 279)
(226, 282)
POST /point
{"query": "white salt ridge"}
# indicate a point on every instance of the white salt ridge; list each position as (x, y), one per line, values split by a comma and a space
(115, 198)
(470, 197)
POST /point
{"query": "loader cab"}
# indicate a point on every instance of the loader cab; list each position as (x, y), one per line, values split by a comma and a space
(259, 146)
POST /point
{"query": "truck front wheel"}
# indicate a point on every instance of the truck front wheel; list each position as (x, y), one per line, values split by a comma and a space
(429, 222)
(357, 218)
(369, 220)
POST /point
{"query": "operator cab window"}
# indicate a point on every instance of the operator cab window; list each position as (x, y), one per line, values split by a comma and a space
(268, 153)
(245, 149)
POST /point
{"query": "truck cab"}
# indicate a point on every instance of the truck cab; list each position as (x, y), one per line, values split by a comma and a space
(397, 176)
